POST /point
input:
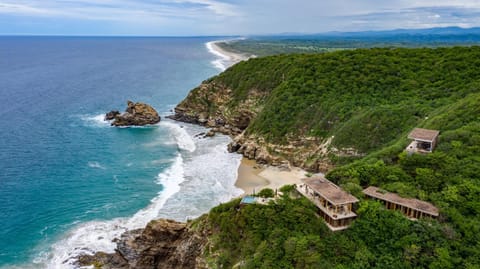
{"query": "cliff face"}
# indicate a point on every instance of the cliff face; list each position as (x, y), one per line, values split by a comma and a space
(215, 106)
(210, 105)
(162, 244)
(314, 110)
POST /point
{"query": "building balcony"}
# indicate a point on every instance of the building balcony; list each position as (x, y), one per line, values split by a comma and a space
(335, 212)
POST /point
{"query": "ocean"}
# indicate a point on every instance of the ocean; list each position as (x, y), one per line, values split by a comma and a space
(69, 182)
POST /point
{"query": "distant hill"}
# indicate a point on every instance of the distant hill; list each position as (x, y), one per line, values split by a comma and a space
(325, 42)
(384, 33)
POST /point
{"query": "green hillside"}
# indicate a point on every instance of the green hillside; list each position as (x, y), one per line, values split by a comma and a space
(365, 98)
(288, 234)
(368, 100)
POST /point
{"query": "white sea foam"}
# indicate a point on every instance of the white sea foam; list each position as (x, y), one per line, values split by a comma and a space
(98, 120)
(96, 165)
(93, 236)
(201, 176)
(210, 175)
(95, 120)
(180, 135)
(223, 61)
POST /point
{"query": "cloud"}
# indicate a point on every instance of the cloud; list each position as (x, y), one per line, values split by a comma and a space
(119, 9)
(417, 17)
(223, 17)
(12, 8)
(218, 8)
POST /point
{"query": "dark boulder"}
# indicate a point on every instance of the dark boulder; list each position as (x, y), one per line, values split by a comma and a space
(111, 115)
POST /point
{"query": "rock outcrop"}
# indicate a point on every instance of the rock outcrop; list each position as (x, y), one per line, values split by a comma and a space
(111, 115)
(136, 114)
(209, 106)
(165, 244)
(213, 105)
(305, 152)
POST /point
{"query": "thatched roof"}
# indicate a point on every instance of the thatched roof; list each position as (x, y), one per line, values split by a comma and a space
(333, 193)
(416, 204)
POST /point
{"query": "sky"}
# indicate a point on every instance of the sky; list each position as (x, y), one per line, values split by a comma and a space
(228, 17)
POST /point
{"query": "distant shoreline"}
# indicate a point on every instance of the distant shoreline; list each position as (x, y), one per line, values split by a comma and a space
(227, 58)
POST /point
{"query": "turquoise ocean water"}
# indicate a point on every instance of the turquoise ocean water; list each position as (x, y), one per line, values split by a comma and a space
(70, 183)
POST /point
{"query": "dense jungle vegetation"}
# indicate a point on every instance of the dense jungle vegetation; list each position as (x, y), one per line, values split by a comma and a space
(368, 99)
(288, 234)
(365, 98)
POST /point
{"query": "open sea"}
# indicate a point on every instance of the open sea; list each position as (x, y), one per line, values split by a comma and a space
(70, 183)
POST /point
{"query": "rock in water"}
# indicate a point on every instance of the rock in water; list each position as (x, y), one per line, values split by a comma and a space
(111, 115)
(136, 114)
(162, 244)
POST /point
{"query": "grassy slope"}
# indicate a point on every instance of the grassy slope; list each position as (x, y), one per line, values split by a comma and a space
(368, 99)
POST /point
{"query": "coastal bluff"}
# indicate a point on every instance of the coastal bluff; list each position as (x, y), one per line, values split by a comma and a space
(322, 110)
(162, 243)
(136, 114)
(216, 105)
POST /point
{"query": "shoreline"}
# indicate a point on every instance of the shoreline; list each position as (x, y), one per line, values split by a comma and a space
(253, 177)
(226, 58)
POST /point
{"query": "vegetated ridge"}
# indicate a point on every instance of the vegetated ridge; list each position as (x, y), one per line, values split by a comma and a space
(319, 110)
(352, 110)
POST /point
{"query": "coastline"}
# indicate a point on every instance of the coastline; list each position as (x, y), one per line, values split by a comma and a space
(253, 178)
(180, 187)
(226, 58)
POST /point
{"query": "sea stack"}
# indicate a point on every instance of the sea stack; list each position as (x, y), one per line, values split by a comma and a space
(136, 114)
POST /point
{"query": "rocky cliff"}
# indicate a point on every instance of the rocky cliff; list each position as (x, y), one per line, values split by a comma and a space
(162, 244)
(210, 105)
(136, 114)
(317, 110)
(215, 106)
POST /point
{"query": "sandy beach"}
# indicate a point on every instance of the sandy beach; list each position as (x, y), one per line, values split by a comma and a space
(253, 178)
(227, 58)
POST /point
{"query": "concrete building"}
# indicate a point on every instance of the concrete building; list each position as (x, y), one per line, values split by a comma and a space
(423, 140)
(412, 208)
(335, 205)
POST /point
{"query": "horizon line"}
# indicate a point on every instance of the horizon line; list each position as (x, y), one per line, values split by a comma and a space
(233, 36)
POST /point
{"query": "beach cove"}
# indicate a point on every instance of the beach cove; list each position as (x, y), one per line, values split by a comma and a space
(253, 177)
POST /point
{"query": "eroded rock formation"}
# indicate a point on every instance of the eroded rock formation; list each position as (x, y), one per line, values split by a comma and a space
(165, 244)
(213, 105)
(136, 114)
